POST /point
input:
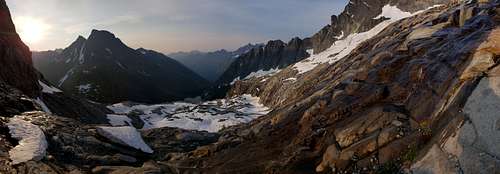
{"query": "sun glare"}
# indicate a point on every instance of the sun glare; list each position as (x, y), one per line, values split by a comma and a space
(31, 30)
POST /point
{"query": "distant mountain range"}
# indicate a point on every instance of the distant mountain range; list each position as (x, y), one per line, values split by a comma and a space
(211, 65)
(102, 68)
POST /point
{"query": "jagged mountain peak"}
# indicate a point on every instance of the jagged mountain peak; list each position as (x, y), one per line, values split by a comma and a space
(80, 39)
(143, 50)
(101, 34)
(244, 49)
(103, 39)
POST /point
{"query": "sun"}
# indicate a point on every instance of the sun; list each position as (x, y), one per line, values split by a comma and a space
(31, 30)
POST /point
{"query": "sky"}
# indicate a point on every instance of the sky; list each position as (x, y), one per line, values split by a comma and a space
(171, 25)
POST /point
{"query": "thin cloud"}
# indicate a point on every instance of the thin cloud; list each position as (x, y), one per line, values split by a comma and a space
(84, 27)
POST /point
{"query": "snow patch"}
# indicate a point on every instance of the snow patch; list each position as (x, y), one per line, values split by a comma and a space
(257, 74)
(338, 37)
(32, 142)
(262, 73)
(83, 89)
(66, 76)
(48, 89)
(126, 135)
(120, 65)
(366, 4)
(393, 12)
(109, 50)
(81, 56)
(44, 107)
(235, 80)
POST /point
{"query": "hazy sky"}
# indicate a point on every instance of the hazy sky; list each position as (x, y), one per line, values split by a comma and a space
(171, 25)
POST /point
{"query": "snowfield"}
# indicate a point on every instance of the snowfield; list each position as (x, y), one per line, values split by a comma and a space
(32, 142)
(210, 116)
(42, 105)
(344, 47)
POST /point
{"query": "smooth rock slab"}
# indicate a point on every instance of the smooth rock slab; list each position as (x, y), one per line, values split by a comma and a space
(482, 107)
(435, 161)
(127, 136)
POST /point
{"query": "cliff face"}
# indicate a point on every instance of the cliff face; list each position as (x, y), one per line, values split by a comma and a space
(360, 16)
(15, 57)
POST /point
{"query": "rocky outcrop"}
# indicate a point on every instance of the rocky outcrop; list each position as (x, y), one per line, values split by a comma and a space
(13, 101)
(77, 108)
(168, 141)
(93, 67)
(412, 89)
(19, 73)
